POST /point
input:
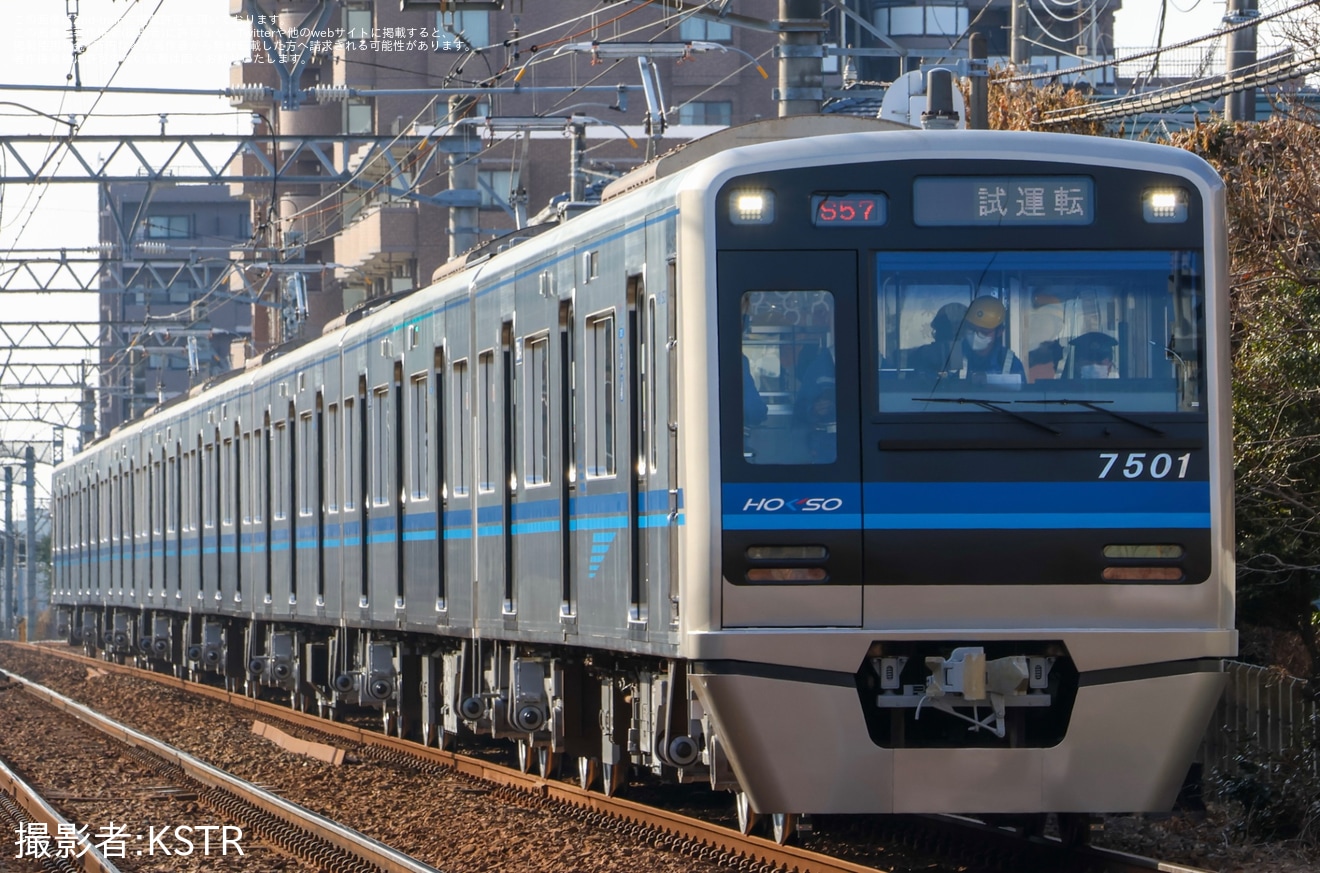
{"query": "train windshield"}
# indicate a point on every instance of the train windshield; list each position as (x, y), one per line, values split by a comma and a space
(1036, 331)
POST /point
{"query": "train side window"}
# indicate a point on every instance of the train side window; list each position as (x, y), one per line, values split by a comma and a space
(537, 461)
(332, 459)
(380, 442)
(208, 487)
(280, 469)
(601, 376)
(462, 421)
(157, 484)
(788, 398)
(350, 456)
(486, 377)
(227, 493)
(247, 453)
(171, 507)
(419, 417)
(307, 458)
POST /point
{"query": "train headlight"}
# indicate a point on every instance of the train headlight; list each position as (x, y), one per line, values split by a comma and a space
(1164, 206)
(752, 206)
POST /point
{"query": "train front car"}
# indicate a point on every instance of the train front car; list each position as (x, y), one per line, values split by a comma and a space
(969, 509)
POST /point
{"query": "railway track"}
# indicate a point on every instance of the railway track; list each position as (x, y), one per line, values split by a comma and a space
(318, 843)
(21, 806)
(967, 844)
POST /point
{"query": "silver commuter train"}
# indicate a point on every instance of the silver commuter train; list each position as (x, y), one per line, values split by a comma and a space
(874, 472)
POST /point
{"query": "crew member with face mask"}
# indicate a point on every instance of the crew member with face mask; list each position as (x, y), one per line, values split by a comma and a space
(1094, 356)
(984, 352)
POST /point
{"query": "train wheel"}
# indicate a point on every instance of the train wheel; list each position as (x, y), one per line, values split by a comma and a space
(524, 756)
(783, 827)
(588, 769)
(748, 818)
(614, 777)
(547, 762)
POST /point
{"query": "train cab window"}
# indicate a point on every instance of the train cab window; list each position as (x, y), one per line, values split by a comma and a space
(789, 413)
(1124, 330)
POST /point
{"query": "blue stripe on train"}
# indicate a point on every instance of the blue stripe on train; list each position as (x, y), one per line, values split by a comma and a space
(967, 505)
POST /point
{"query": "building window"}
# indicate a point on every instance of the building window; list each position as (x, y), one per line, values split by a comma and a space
(169, 226)
(706, 112)
(908, 20)
(357, 116)
(357, 23)
(474, 27)
(705, 29)
(494, 187)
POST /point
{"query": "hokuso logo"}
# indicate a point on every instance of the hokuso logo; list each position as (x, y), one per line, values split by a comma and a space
(803, 504)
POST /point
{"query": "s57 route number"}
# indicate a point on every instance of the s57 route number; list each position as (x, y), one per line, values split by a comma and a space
(1136, 464)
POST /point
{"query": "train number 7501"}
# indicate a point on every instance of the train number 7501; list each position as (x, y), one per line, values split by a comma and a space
(1159, 466)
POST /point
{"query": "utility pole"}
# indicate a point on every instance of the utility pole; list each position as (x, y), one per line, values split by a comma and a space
(10, 611)
(463, 220)
(30, 575)
(978, 110)
(1240, 51)
(801, 80)
(1016, 45)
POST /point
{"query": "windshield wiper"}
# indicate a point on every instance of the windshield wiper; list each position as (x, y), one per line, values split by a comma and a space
(993, 405)
(1096, 406)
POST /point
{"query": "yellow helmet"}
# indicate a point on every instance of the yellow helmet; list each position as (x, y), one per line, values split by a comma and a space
(986, 313)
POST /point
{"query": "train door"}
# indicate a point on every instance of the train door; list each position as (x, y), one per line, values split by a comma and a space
(495, 489)
(353, 516)
(332, 533)
(310, 547)
(642, 573)
(279, 548)
(440, 479)
(789, 451)
(231, 479)
(422, 524)
(173, 525)
(381, 534)
(209, 534)
(457, 592)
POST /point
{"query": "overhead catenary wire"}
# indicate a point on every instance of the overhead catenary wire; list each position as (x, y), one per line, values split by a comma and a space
(1084, 68)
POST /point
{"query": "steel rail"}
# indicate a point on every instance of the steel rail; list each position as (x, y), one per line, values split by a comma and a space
(35, 807)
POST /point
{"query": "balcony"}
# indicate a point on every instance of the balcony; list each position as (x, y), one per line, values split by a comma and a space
(382, 236)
